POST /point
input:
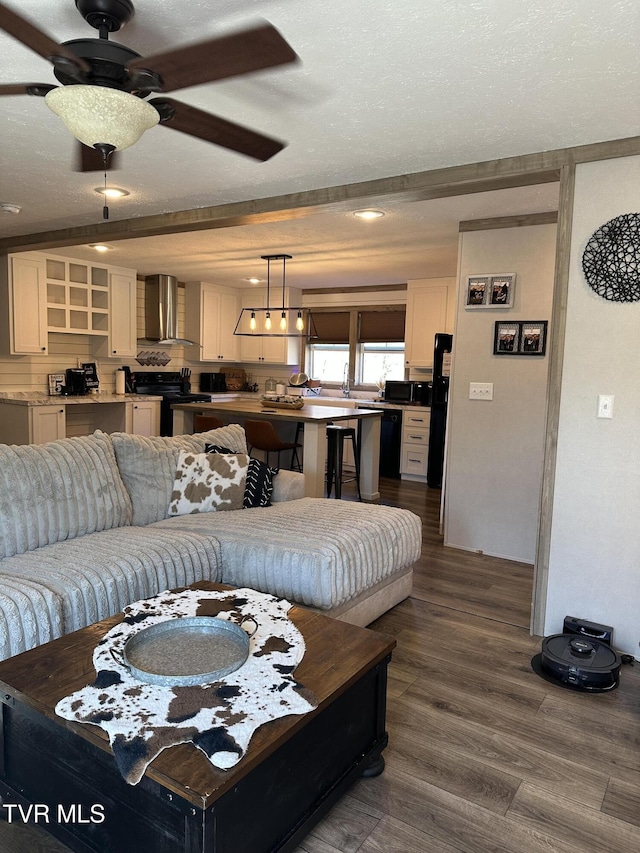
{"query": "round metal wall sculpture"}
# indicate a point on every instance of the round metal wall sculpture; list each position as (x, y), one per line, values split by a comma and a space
(611, 260)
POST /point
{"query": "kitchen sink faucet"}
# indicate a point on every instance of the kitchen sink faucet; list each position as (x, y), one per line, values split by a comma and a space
(346, 389)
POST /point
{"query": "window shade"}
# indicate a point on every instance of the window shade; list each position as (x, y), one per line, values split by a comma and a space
(332, 327)
(378, 327)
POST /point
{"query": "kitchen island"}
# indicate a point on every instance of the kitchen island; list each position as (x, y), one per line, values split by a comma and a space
(315, 420)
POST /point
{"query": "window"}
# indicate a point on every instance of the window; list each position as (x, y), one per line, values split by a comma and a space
(327, 361)
(366, 345)
(381, 361)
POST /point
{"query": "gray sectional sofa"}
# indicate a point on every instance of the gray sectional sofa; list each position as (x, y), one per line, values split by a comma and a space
(84, 531)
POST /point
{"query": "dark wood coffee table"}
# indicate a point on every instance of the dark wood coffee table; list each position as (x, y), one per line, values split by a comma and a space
(295, 769)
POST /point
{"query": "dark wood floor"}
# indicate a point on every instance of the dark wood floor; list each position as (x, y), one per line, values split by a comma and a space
(484, 756)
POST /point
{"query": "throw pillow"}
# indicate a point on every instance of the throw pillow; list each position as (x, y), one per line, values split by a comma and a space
(208, 481)
(259, 486)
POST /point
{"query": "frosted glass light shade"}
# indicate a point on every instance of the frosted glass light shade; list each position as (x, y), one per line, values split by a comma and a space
(95, 114)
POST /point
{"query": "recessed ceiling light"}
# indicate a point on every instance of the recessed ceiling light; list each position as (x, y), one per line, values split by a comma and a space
(254, 280)
(100, 247)
(368, 214)
(9, 207)
(112, 192)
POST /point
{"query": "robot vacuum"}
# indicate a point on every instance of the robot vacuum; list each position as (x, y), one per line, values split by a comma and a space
(578, 662)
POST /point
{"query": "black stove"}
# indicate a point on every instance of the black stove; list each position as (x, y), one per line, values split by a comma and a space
(173, 386)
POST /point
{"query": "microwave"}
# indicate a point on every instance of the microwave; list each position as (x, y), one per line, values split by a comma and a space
(408, 391)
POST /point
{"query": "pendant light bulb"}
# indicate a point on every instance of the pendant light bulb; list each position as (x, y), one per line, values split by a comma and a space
(252, 321)
(283, 321)
(267, 322)
(300, 322)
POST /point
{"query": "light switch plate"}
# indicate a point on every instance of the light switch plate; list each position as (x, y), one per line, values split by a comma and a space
(605, 405)
(481, 390)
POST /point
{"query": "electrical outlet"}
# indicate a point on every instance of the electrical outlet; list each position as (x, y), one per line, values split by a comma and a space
(481, 390)
(605, 405)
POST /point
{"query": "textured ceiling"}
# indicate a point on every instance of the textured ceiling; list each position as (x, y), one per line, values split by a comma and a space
(383, 88)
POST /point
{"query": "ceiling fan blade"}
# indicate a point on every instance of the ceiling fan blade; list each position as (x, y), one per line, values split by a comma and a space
(217, 59)
(40, 89)
(90, 160)
(24, 31)
(211, 128)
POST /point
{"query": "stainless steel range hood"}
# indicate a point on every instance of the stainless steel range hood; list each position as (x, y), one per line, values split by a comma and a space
(161, 310)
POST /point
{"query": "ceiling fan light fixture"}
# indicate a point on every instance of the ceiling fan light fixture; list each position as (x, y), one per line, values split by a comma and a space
(99, 115)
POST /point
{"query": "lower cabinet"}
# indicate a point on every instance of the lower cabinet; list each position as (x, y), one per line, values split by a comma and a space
(31, 424)
(415, 446)
(145, 418)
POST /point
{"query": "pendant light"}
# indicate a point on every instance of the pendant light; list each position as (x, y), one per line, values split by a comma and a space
(294, 322)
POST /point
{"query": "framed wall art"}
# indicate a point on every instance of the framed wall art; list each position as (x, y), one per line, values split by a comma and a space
(524, 337)
(494, 290)
(477, 290)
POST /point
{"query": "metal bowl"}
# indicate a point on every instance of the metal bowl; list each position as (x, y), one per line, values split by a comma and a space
(298, 379)
(186, 650)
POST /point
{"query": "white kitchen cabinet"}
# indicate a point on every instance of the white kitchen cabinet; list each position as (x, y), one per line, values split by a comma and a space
(262, 349)
(47, 423)
(211, 313)
(23, 304)
(414, 450)
(145, 418)
(31, 424)
(77, 297)
(430, 309)
(122, 339)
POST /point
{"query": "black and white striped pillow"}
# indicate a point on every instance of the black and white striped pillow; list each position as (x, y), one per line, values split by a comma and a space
(259, 484)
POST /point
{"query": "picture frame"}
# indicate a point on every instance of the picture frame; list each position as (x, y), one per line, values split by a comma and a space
(521, 337)
(533, 337)
(477, 290)
(492, 290)
(506, 339)
(501, 289)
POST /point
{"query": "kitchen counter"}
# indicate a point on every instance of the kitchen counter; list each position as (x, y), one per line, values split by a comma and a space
(41, 398)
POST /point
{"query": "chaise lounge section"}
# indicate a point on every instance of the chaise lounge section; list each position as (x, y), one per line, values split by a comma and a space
(85, 530)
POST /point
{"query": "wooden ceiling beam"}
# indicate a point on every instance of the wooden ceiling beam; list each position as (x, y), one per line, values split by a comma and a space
(523, 170)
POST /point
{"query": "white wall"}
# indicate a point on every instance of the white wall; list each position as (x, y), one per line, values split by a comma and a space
(595, 539)
(495, 449)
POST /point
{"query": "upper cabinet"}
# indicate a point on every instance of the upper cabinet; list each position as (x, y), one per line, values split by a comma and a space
(263, 349)
(77, 297)
(430, 309)
(41, 293)
(23, 295)
(211, 313)
(122, 340)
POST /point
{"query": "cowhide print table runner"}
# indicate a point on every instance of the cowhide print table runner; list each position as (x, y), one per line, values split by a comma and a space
(219, 718)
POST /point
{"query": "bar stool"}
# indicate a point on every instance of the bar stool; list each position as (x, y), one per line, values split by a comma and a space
(336, 437)
(261, 435)
(203, 423)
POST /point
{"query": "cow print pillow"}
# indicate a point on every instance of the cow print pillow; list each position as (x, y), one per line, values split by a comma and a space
(259, 485)
(208, 481)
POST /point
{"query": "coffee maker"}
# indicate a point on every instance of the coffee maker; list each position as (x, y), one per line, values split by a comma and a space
(75, 382)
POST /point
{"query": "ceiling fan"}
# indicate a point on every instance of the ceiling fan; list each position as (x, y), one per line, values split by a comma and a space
(102, 99)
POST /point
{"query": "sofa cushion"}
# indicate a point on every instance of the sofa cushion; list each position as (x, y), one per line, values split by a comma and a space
(60, 490)
(148, 465)
(205, 482)
(313, 551)
(63, 587)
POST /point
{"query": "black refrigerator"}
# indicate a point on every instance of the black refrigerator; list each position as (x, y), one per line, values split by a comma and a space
(439, 400)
